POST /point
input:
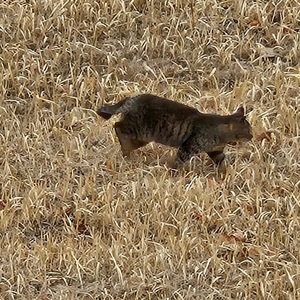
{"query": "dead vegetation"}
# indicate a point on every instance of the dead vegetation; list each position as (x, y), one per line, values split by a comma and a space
(80, 222)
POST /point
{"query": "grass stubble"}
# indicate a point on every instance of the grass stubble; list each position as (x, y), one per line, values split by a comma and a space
(77, 221)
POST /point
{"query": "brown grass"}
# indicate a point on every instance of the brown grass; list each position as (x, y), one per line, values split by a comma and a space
(80, 222)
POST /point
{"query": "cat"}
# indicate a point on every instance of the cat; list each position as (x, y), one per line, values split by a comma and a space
(147, 118)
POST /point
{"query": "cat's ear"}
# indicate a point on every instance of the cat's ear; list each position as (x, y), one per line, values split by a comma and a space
(239, 116)
(239, 113)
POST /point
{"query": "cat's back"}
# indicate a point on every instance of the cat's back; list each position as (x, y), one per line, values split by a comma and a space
(158, 107)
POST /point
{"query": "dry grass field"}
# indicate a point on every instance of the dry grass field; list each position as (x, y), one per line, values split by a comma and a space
(78, 221)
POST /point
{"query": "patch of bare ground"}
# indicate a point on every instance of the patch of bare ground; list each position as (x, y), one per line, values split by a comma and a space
(77, 221)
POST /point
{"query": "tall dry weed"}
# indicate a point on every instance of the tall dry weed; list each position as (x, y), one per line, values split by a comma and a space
(80, 222)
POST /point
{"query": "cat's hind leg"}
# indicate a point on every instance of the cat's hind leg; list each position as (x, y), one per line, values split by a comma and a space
(126, 139)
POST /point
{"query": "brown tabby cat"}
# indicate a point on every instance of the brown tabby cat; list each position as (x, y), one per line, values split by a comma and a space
(147, 118)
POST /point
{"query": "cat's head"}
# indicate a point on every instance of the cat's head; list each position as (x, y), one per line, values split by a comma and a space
(239, 127)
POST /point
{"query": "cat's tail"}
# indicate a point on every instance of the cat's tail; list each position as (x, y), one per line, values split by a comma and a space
(107, 111)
